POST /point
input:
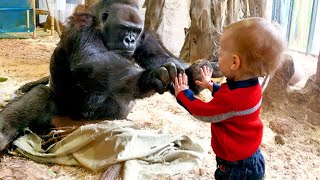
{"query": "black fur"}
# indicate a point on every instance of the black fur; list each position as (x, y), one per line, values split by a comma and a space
(103, 62)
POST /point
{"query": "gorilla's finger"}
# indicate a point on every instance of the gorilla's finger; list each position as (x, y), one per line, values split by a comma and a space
(180, 70)
(172, 70)
(158, 86)
(163, 75)
(171, 88)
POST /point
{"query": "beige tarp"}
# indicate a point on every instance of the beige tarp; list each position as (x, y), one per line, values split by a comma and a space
(145, 154)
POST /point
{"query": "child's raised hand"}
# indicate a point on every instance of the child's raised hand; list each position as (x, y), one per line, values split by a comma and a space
(206, 74)
(180, 83)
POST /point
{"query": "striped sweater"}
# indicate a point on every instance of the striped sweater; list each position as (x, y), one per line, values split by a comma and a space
(234, 113)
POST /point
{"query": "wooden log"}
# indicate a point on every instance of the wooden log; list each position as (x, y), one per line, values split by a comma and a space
(199, 43)
(208, 20)
(153, 15)
(89, 2)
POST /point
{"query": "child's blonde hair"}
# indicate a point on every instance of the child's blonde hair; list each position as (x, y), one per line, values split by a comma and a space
(259, 44)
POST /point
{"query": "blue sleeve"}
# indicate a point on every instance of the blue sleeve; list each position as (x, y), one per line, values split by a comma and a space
(215, 88)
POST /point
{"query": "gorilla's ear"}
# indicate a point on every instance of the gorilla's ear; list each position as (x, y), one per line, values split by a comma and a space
(105, 16)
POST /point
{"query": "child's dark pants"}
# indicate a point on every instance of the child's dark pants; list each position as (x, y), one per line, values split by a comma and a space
(252, 168)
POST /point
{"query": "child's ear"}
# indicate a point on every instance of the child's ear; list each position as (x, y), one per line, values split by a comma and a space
(236, 62)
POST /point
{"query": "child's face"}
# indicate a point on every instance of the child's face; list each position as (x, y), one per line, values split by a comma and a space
(225, 56)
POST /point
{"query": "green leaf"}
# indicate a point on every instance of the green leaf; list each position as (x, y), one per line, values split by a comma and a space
(3, 79)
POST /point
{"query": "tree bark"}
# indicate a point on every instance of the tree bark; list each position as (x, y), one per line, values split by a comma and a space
(208, 20)
(153, 15)
(199, 37)
(89, 2)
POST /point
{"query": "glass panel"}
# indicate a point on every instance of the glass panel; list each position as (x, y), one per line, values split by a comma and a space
(281, 14)
(316, 39)
(299, 30)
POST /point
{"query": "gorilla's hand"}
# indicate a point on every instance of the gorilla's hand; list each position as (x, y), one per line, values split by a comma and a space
(180, 65)
(161, 78)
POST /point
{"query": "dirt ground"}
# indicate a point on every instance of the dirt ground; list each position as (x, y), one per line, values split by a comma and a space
(23, 60)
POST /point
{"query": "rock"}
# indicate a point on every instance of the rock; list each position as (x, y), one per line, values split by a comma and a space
(281, 126)
(276, 90)
(268, 137)
(297, 75)
(314, 94)
(313, 118)
(279, 139)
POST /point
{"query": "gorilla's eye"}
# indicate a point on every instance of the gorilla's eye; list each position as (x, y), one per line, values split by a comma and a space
(105, 16)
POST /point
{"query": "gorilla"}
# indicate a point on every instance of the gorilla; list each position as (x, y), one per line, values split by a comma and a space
(104, 61)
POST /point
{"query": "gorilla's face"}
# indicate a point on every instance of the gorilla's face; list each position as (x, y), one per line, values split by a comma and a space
(121, 27)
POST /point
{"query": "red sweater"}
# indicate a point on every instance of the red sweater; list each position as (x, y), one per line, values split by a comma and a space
(234, 113)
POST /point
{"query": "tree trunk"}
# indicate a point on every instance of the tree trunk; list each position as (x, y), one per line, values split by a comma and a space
(200, 36)
(89, 2)
(153, 15)
(208, 20)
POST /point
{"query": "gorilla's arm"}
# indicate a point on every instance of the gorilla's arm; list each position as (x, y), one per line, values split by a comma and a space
(27, 87)
(152, 53)
(121, 78)
(34, 109)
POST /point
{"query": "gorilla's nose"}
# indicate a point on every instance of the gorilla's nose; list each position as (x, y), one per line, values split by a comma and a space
(129, 41)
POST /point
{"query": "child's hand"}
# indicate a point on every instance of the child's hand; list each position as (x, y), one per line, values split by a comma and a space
(180, 83)
(206, 74)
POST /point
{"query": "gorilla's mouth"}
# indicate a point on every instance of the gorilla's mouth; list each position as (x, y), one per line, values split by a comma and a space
(120, 49)
(125, 52)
